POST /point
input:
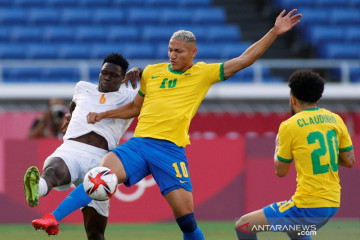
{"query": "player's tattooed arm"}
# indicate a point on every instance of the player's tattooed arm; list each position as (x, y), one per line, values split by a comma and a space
(347, 159)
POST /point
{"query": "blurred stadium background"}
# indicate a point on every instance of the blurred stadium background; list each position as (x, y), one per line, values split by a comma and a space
(46, 46)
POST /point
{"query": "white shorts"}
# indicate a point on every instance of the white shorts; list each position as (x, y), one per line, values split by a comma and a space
(81, 158)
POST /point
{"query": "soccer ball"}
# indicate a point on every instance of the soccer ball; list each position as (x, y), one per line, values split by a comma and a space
(100, 183)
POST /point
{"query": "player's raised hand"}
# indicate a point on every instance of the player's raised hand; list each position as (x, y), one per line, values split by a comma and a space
(133, 75)
(66, 122)
(285, 23)
(93, 117)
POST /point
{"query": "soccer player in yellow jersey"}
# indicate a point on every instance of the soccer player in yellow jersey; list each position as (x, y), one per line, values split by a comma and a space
(169, 96)
(318, 141)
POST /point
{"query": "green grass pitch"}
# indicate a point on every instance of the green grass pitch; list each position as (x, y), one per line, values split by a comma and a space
(334, 230)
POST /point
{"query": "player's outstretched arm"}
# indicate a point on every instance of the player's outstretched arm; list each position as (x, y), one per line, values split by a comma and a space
(282, 24)
(347, 159)
(127, 111)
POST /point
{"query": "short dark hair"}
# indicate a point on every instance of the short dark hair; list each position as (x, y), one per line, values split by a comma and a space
(306, 85)
(117, 59)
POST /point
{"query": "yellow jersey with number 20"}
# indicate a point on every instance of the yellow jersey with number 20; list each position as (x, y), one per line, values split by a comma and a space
(313, 138)
(171, 99)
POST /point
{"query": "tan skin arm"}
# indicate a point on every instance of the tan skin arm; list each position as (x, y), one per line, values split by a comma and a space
(347, 159)
(130, 110)
(255, 51)
(281, 168)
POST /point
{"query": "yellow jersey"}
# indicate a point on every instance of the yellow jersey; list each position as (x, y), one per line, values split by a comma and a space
(313, 138)
(171, 99)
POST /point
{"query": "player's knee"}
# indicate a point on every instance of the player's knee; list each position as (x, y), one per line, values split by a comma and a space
(242, 220)
(187, 223)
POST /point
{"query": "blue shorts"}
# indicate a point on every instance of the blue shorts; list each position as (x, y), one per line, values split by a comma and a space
(292, 218)
(161, 158)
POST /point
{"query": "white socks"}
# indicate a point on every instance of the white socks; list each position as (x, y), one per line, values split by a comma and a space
(43, 188)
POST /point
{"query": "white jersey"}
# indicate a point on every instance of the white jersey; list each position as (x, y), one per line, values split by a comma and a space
(88, 99)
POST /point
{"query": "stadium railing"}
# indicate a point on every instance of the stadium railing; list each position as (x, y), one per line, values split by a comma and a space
(346, 73)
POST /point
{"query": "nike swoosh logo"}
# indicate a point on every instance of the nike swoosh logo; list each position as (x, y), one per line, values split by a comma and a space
(187, 74)
(154, 77)
(183, 181)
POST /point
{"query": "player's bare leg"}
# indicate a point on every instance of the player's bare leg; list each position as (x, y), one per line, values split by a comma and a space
(182, 205)
(111, 161)
(244, 226)
(94, 223)
(55, 173)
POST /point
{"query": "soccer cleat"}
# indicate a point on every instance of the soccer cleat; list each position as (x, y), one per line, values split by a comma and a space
(47, 223)
(31, 185)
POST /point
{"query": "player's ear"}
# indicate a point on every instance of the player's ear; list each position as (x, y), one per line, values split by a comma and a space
(194, 51)
(293, 100)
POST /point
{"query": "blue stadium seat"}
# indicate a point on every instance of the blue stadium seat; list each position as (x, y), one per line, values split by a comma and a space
(200, 32)
(345, 16)
(176, 16)
(209, 16)
(12, 16)
(12, 51)
(140, 50)
(123, 34)
(4, 34)
(323, 34)
(26, 74)
(63, 3)
(94, 74)
(332, 3)
(61, 74)
(109, 16)
(76, 16)
(74, 51)
(342, 50)
(29, 3)
(43, 16)
(90, 34)
(100, 51)
(94, 3)
(162, 50)
(42, 51)
(233, 50)
(59, 34)
(311, 16)
(353, 34)
(290, 4)
(195, 3)
(157, 34)
(208, 50)
(129, 3)
(226, 33)
(26, 34)
(5, 3)
(355, 75)
(143, 16)
(161, 3)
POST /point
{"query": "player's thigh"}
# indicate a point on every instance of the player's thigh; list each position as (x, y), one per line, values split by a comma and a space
(256, 218)
(112, 161)
(180, 201)
(94, 223)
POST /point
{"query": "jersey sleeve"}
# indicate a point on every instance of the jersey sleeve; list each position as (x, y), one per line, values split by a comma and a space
(284, 153)
(215, 72)
(77, 91)
(144, 76)
(345, 143)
